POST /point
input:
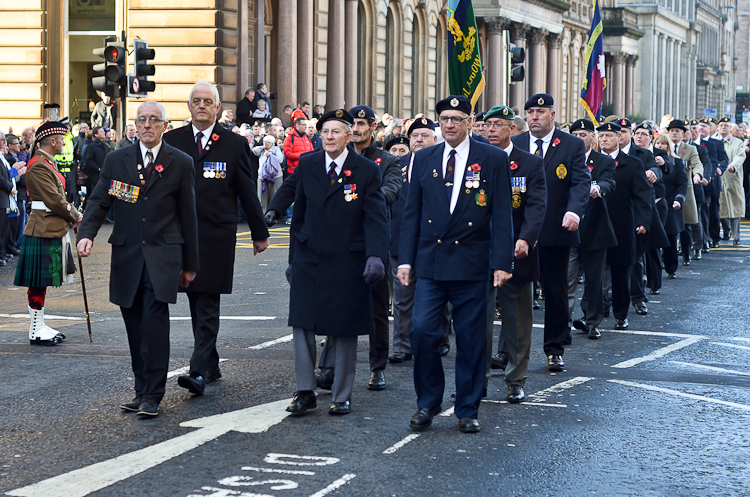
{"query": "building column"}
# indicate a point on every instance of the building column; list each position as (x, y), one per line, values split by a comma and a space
(554, 63)
(630, 84)
(336, 53)
(537, 82)
(260, 43)
(497, 79)
(352, 51)
(517, 92)
(286, 75)
(618, 84)
(55, 88)
(305, 27)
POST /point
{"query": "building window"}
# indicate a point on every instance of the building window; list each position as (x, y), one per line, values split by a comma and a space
(91, 15)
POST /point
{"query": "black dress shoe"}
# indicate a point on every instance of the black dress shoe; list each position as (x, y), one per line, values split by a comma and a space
(580, 325)
(640, 308)
(422, 419)
(377, 380)
(339, 408)
(212, 376)
(301, 402)
(13, 251)
(3, 263)
(654, 292)
(568, 339)
(555, 363)
(622, 324)
(515, 394)
(686, 262)
(325, 379)
(193, 382)
(444, 349)
(148, 408)
(398, 357)
(697, 256)
(535, 305)
(499, 361)
(594, 333)
(468, 425)
(736, 242)
(671, 276)
(133, 406)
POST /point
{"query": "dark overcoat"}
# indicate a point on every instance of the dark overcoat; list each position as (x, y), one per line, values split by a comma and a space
(596, 227)
(676, 182)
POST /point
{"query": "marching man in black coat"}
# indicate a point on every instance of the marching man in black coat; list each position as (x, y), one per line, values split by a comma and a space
(338, 246)
(154, 245)
(222, 175)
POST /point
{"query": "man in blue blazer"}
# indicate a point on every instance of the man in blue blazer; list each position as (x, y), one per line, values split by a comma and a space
(568, 185)
(456, 230)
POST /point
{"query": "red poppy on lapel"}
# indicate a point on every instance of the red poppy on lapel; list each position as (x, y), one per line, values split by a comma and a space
(348, 173)
(159, 168)
(513, 166)
(378, 160)
(682, 151)
(215, 137)
(475, 167)
(591, 168)
(617, 163)
(555, 142)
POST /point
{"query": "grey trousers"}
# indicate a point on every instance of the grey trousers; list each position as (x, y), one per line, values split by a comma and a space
(515, 303)
(403, 303)
(734, 223)
(342, 353)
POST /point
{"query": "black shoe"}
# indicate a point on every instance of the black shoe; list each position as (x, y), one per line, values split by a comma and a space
(736, 242)
(555, 363)
(654, 292)
(568, 340)
(339, 408)
(594, 333)
(325, 379)
(193, 382)
(686, 262)
(605, 313)
(515, 394)
(499, 361)
(377, 380)
(535, 305)
(697, 255)
(422, 419)
(580, 325)
(301, 402)
(468, 425)
(399, 357)
(3, 263)
(444, 349)
(133, 406)
(212, 376)
(716, 244)
(622, 324)
(640, 308)
(148, 408)
(671, 276)
(580, 280)
(13, 251)
(497, 313)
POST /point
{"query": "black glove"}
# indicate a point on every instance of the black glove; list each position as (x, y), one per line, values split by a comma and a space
(288, 272)
(271, 217)
(374, 270)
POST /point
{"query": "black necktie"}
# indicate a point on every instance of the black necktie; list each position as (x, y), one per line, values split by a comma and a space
(332, 173)
(449, 167)
(199, 142)
(539, 149)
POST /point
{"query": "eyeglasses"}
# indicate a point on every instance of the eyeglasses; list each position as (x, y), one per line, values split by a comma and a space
(642, 134)
(498, 125)
(152, 119)
(332, 132)
(453, 119)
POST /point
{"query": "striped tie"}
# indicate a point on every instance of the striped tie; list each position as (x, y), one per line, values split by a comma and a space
(449, 174)
(539, 149)
(332, 173)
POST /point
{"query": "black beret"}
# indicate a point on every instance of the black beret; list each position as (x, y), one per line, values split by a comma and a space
(625, 123)
(611, 126)
(582, 125)
(335, 115)
(421, 122)
(677, 124)
(479, 117)
(539, 100)
(399, 140)
(51, 128)
(454, 102)
(362, 112)
(646, 126)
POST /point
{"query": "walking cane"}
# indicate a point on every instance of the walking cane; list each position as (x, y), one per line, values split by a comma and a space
(85, 298)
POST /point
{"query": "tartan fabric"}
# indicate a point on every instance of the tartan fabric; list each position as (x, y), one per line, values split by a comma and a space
(40, 262)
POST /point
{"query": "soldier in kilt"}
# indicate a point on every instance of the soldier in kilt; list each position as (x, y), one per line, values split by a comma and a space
(44, 257)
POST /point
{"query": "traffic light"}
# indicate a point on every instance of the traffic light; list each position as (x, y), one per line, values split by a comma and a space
(138, 83)
(516, 71)
(112, 69)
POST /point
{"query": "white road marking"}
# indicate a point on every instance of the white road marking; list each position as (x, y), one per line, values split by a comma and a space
(655, 333)
(573, 382)
(659, 352)
(742, 339)
(46, 316)
(264, 345)
(227, 318)
(681, 394)
(742, 347)
(333, 486)
(283, 471)
(184, 370)
(710, 368)
(393, 448)
(447, 412)
(249, 481)
(540, 404)
(89, 479)
(273, 458)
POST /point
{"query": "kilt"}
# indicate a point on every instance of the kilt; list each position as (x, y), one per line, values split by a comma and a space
(40, 262)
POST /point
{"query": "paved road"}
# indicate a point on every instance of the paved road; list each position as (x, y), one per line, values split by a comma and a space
(660, 409)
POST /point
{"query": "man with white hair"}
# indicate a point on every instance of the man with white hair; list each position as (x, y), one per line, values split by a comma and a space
(154, 245)
(224, 174)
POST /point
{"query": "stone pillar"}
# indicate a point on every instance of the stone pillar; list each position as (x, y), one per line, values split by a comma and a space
(352, 51)
(517, 92)
(554, 63)
(260, 43)
(305, 27)
(335, 62)
(536, 54)
(286, 73)
(497, 77)
(630, 82)
(243, 55)
(55, 88)
(618, 84)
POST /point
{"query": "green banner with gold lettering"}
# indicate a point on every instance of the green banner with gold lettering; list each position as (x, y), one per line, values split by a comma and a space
(465, 76)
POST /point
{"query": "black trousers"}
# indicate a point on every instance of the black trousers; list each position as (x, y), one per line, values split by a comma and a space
(592, 304)
(554, 265)
(4, 230)
(705, 216)
(714, 221)
(147, 325)
(637, 287)
(621, 276)
(686, 243)
(379, 326)
(653, 257)
(671, 258)
(204, 311)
